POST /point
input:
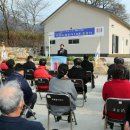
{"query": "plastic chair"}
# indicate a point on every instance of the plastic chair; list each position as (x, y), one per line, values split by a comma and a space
(42, 86)
(56, 101)
(79, 86)
(117, 106)
(25, 110)
(29, 75)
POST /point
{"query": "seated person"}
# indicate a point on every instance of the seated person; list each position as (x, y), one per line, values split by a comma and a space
(41, 72)
(61, 84)
(29, 97)
(88, 66)
(117, 61)
(118, 87)
(11, 105)
(30, 65)
(77, 72)
(10, 63)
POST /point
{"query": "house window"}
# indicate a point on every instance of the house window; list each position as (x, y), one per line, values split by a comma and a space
(115, 43)
(127, 42)
(52, 42)
(73, 41)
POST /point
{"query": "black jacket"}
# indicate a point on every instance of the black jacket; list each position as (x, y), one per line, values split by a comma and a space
(29, 65)
(87, 65)
(77, 73)
(62, 52)
(18, 123)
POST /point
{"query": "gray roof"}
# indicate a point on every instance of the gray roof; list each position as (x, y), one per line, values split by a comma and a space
(88, 5)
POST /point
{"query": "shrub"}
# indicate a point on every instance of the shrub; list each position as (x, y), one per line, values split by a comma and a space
(70, 58)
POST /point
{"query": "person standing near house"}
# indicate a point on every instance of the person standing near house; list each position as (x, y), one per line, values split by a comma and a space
(62, 51)
(4, 55)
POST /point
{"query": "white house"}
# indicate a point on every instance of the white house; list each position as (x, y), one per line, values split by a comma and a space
(77, 15)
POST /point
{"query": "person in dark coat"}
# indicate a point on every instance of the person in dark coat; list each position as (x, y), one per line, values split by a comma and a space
(29, 64)
(117, 61)
(62, 51)
(77, 72)
(10, 63)
(29, 97)
(88, 66)
(11, 105)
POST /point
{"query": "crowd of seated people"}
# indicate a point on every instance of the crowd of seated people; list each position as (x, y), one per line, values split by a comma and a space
(117, 86)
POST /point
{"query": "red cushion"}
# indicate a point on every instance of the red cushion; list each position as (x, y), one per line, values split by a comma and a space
(42, 87)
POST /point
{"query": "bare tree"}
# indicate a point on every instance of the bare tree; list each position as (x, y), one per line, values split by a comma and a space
(112, 6)
(5, 13)
(29, 11)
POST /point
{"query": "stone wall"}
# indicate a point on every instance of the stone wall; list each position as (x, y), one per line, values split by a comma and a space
(16, 53)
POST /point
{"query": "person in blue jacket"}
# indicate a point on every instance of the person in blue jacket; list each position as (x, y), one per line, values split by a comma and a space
(29, 97)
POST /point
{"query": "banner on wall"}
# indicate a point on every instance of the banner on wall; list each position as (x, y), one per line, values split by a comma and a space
(56, 61)
(78, 33)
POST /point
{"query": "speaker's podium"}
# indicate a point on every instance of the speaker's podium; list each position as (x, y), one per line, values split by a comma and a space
(56, 61)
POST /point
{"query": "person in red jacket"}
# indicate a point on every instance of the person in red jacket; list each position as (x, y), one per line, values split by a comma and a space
(3, 65)
(41, 71)
(118, 87)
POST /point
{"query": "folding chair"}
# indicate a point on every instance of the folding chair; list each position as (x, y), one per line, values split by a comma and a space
(52, 72)
(79, 86)
(42, 86)
(59, 101)
(89, 77)
(29, 75)
(117, 106)
(25, 110)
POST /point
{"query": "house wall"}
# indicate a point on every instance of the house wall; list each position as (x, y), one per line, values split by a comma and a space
(123, 33)
(75, 15)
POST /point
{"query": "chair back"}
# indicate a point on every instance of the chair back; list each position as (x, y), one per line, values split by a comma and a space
(57, 99)
(79, 85)
(52, 72)
(42, 84)
(41, 81)
(117, 105)
(29, 74)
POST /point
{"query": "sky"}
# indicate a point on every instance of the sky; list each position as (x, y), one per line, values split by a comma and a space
(127, 4)
(54, 4)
